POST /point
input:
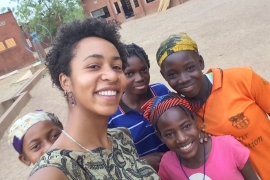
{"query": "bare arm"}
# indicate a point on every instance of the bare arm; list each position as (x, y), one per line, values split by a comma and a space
(248, 172)
(46, 173)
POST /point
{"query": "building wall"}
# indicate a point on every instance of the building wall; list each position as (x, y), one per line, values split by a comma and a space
(144, 8)
(14, 57)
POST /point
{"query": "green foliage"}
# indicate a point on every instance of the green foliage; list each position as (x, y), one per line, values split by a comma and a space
(49, 13)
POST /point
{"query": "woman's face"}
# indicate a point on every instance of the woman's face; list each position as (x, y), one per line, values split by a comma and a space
(96, 81)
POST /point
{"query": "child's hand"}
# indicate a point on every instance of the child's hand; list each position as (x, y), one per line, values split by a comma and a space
(153, 159)
(203, 136)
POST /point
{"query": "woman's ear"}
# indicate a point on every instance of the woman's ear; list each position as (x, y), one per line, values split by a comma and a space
(65, 82)
(23, 158)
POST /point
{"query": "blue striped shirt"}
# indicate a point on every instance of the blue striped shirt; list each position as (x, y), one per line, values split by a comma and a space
(143, 134)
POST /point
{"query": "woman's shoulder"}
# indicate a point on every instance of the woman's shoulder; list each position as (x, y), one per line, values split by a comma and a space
(119, 131)
(64, 160)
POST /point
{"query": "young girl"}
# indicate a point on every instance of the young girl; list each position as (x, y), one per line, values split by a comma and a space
(86, 63)
(129, 113)
(33, 134)
(233, 101)
(220, 157)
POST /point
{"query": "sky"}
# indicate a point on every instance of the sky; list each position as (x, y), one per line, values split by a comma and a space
(5, 3)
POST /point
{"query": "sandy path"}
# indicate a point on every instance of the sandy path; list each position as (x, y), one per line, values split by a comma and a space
(228, 33)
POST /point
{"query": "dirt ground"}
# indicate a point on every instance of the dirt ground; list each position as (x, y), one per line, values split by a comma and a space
(229, 33)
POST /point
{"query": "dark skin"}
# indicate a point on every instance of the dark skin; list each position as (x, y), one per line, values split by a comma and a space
(138, 78)
(37, 140)
(177, 129)
(183, 72)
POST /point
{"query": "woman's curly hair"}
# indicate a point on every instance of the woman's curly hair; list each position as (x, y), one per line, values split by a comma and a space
(67, 38)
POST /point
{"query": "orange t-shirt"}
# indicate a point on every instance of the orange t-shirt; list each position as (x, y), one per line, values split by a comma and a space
(237, 106)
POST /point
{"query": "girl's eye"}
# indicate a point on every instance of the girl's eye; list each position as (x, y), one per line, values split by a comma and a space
(187, 126)
(171, 75)
(169, 135)
(145, 70)
(190, 68)
(35, 147)
(117, 67)
(128, 74)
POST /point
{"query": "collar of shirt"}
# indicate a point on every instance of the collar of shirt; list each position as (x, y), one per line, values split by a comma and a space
(125, 109)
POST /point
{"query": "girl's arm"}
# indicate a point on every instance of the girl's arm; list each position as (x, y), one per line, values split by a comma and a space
(248, 172)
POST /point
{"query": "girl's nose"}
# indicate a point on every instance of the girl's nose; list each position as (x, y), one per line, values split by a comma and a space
(181, 137)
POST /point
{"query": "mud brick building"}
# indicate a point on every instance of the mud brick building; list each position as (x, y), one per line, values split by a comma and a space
(13, 55)
(122, 10)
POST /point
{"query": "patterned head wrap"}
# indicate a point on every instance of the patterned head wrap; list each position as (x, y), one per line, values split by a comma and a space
(156, 106)
(175, 43)
(20, 127)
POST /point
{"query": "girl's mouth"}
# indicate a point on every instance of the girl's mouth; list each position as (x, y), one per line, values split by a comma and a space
(186, 148)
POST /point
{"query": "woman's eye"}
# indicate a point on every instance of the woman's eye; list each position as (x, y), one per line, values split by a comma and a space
(117, 67)
(55, 135)
(93, 67)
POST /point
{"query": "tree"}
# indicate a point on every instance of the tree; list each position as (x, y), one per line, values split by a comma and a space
(50, 13)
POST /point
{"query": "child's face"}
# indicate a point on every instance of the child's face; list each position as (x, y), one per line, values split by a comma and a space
(137, 75)
(179, 132)
(37, 140)
(183, 72)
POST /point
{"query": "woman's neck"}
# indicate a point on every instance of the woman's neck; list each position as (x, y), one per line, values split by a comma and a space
(89, 129)
(134, 101)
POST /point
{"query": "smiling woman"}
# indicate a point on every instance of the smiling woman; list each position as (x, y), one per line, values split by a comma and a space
(86, 63)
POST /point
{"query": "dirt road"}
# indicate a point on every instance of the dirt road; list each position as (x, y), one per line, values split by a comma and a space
(228, 33)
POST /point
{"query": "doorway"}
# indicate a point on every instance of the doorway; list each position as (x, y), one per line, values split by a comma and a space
(128, 11)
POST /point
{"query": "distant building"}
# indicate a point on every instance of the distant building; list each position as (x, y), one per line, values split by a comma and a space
(13, 55)
(122, 10)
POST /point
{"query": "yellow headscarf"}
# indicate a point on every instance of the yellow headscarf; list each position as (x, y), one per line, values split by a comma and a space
(175, 43)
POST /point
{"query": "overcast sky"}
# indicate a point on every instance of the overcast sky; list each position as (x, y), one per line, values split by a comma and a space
(5, 3)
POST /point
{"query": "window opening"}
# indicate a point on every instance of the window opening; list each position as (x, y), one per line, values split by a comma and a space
(102, 12)
(117, 9)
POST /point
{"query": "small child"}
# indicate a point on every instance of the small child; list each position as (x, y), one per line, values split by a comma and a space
(220, 157)
(33, 134)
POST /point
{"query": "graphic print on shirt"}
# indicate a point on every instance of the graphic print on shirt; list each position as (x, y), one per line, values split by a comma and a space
(240, 121)
(199, 176)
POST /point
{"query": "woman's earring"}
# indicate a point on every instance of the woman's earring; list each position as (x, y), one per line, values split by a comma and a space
(71, 98)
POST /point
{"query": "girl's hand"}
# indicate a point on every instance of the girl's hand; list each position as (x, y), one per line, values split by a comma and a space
(203, 136)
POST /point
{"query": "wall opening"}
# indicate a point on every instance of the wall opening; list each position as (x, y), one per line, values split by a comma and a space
(148, 1)
(127, 8)
(102, 12)
(116, 7)
(136, 3)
